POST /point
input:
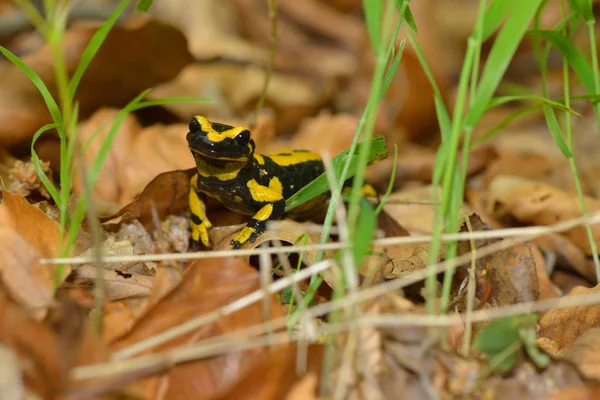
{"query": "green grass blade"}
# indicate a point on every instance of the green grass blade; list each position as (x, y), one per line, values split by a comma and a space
(497, 101)
(583, 8)
(143, 5)
(392, 69)
(573, 56)
(39, 84)
(35, 160)
(94, 45)
(391, 183)
(319, 186)
(496, 12)
(165, 100)
(365, 231)
(408, 17)
(501, 54)
(555, 131)
(373, 13)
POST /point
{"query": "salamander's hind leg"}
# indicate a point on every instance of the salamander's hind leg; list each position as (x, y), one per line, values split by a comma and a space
(258, 223)
(199, 223)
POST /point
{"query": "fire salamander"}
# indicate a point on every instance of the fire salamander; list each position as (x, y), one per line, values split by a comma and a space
(245, 182)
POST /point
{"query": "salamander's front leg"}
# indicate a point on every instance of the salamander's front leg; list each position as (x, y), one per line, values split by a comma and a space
(258, 223)
(199, 223)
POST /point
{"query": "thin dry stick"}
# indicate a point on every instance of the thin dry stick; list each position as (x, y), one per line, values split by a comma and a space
(325, 308)
(236, 305)
(211, 349)
(204, 350)
(532, 231)
(471, 286)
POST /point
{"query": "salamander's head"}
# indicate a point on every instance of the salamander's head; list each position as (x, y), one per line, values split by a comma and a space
(219, 141)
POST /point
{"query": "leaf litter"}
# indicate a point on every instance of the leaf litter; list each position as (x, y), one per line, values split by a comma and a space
(218, 51)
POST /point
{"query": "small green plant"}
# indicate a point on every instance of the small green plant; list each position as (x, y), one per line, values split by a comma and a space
(64, 111)
(502, 340)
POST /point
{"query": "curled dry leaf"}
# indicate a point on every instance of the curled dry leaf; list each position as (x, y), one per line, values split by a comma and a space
(117, 285)
(282, 382)
(112, 78)
(11, 385)
(23, 180)
(565, 325)
(47, 351)
(416, 164)
(316, 134)
(208, 285)
(528, 382)
(505, 277)
(570, 256)
(541, 204)
(166, 194)
(28, 234)
(584, 352)
(27, 281)
(237, 88)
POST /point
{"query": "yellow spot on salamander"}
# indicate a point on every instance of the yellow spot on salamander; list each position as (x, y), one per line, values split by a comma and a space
(264, 213)
(265, 194)
(215, 136)
(260, 159)
(293, 157)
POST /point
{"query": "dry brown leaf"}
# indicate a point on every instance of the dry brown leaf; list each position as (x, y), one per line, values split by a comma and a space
(505, 277)
(281, 380)
(324, 134)
(565, 325)
(546, 287)
(528, 382)
(541, 204)
(30, 223)
(117, 285)
(581, 392)
(305, 389)
(11, 383)
(28, 235)
(416, 164)
(208, 285)
(119, 317)
(135, 158)
(584, 352)
(236, 88)
(113, 77)
(47, 351)
(166, 194)
(570, 256)
(27, 281)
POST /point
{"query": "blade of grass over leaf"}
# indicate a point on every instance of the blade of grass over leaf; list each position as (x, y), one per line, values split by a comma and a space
(365, 231)
(584, 8)
(39, 84)
(38, 166)
(576, 60)
(319, 186)
(373, 10)
(555, 131)
(143, 5)
(497, 12)
(93, 46)
(408, 17)
(502, 52)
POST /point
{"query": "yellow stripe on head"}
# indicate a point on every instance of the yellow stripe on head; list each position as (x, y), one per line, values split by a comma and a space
(215, 136)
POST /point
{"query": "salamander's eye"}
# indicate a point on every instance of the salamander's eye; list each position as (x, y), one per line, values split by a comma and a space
(195, 125)
(243, 137)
